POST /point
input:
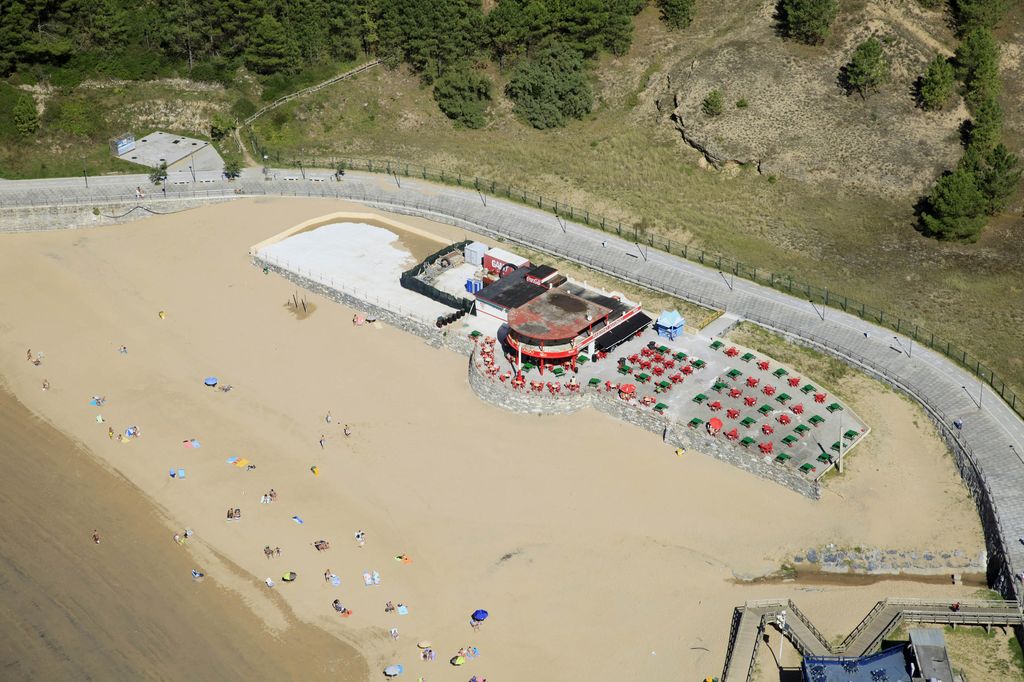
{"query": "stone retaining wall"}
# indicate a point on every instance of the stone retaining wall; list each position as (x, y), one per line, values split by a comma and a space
(674, 434)
(37, 219)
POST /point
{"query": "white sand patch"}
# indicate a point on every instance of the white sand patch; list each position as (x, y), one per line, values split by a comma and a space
(363, 260)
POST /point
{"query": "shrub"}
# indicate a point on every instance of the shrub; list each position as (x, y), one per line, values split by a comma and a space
(712, 104)
(221, 125)
(463, 96)
(971, 14)
(741, 104)
(808, 21)
(243, 108)
(551, 87)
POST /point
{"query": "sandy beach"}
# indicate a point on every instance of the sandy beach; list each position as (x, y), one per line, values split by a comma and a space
(599, 553)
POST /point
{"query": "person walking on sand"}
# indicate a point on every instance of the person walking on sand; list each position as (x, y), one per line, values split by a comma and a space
(110, 433)
(348, 430)
(29, 354)
(95, 536)
(328, 417)
(46, 384)
(360, 538)
(322, 439)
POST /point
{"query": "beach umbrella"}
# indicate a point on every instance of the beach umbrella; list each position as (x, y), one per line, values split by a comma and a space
(425, 644)
(289, 576)
(715, 423)
(480, 615)
(210, 381)
(394, 670)
(458, 660)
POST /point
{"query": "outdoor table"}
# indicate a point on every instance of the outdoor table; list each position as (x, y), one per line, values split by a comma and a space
(747, 357)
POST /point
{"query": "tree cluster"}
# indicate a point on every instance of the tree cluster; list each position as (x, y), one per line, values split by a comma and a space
(987, 175)
(551, 87)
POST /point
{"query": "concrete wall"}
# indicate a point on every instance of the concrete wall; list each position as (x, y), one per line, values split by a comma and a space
(35, 219)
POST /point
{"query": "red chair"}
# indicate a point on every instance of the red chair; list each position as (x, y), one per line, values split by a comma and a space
(658, 370)
(732, 435)
(769, 390)
(797, 409)
(819, 397)
(687, 369)
(766, 448)
(634, 358)
(767, 429)
(608, 386)
(784, 419)
(676, 378)
(735, 393)
(715, 406)
(749, 401)
(732, 413)
(763, 365)
(753, 381)
(669, 363)
(645, 364)
(731, 351)
(794, 381)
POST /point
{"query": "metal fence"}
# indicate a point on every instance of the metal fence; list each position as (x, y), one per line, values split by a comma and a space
(639, 235)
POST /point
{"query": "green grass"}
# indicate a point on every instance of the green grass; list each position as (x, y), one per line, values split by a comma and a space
(78, 123)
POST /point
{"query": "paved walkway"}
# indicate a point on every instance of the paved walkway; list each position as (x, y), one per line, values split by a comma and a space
(992, 439)
(864, 639)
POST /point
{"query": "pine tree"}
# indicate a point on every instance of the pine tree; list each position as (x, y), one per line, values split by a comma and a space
(506, 30)
(551, 87)
(977, 65)
(998, 175)
(972, 14)
(26, 117)
(270, 50)
(676, 13)
(955, 207)
(986, 126)
(463, 96)
(808, 21)
(937, 84)
(868, 69)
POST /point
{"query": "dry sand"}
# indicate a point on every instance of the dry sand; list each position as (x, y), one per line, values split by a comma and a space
(599, 553)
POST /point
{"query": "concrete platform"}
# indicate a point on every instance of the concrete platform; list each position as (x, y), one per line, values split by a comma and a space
(177, 151)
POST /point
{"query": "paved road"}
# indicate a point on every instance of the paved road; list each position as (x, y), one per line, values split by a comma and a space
(993, 435)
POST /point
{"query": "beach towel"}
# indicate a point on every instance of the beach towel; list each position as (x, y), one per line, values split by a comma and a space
(298, 520)
(376, 578)
(403, 610)
(241, 463)
(95, 403)
(335, 580)
(367, 579)
(232, 460)
(270, 582)
(190, 443)
(99, 419)
(181, 473)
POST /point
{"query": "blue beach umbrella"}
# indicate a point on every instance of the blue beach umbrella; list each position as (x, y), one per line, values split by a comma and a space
(479, 615)
(210, 381)
(394, 670)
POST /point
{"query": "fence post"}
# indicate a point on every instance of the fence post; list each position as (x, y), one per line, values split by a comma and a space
(899, 320)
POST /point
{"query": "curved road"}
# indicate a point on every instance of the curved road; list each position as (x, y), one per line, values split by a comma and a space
(991, 442)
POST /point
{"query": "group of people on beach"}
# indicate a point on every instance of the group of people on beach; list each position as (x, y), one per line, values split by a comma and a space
(269, 497)
(234, 514)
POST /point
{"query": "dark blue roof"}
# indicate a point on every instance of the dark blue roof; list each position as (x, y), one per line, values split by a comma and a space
(887, 666)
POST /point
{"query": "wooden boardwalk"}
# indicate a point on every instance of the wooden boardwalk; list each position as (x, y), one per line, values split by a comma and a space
(751, 619)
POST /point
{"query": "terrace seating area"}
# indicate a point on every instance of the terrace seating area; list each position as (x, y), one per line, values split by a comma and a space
(721, 388)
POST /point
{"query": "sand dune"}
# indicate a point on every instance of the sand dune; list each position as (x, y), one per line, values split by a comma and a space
(599, 553)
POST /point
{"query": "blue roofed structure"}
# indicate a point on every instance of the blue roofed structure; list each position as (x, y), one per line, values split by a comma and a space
(887, 666)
